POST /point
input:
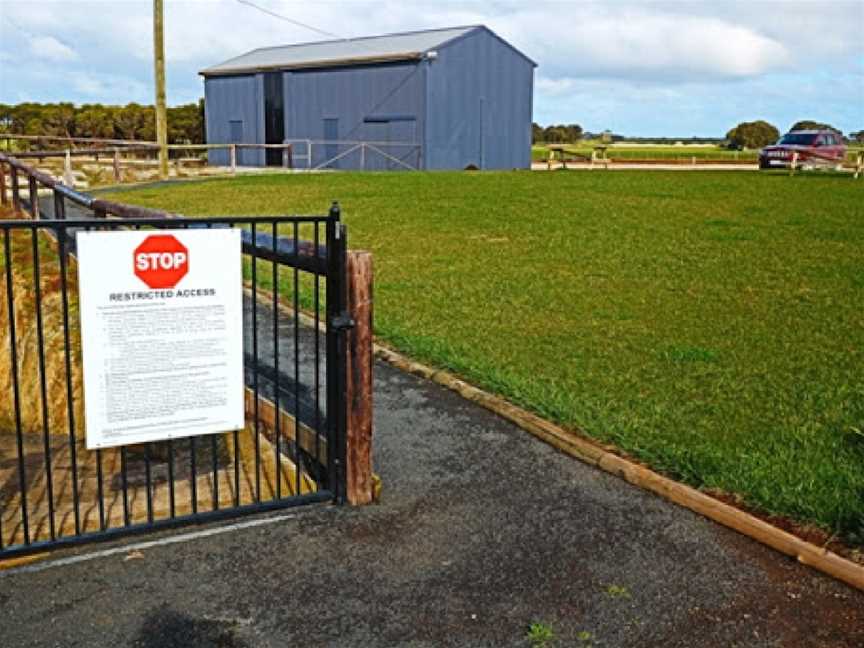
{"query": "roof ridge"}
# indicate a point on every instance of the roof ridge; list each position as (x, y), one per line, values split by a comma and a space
(354, 39)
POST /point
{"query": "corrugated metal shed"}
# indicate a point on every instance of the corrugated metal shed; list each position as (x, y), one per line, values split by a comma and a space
(392, 47)
(467, 105)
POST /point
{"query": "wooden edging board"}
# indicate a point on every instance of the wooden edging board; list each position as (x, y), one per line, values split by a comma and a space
(590, 452)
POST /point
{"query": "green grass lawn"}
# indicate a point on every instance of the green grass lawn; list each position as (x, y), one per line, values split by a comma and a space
(622, 152)
(711, 324)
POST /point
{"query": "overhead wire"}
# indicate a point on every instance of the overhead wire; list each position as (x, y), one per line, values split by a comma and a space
(297, 23)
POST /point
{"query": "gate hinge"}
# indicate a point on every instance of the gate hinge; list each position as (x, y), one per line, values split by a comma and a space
(342, 322)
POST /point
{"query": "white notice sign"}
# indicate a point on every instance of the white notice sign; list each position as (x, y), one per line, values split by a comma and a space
(161, 334)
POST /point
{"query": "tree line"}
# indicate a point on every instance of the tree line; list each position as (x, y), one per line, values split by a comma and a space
(186, 125)
(752, 135)
(130, 122)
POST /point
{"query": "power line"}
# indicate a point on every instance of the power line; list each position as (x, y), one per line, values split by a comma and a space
(290, 20)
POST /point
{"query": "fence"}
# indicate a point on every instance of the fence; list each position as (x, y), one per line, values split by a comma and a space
(307, 375)
(315, 155)
(128, 157)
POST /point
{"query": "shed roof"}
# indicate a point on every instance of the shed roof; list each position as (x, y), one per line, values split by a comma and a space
(348, 51)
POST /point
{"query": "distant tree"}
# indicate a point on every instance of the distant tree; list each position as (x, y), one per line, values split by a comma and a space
(136, 122)
(59, 119)
(562, 134)
(554, 134)
(6, 117)
(95, 120)
(807, 124)
(752, 135)
(855, 137)
(184, 124)
(536, 133)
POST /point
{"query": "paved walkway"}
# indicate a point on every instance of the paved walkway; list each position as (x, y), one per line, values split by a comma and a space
(481, 531)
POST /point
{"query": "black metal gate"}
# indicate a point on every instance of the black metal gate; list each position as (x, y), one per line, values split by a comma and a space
(291, 451)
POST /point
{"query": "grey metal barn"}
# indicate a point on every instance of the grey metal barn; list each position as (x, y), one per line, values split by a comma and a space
(439, 99)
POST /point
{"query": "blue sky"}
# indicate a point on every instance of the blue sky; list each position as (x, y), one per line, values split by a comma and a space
(669, 68)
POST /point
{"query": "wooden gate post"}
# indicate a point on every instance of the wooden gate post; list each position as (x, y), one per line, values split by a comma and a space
(358, 456)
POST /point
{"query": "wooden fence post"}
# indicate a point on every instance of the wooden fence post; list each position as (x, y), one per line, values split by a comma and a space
(68, 178)
(16, 196)
(233, 152)
(4, 200)
(33, 193)
(116, 165)
(358, 456)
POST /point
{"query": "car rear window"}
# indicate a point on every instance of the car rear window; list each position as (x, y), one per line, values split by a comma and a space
(801, 139)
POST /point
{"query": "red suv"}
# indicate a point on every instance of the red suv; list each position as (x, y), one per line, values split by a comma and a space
(814, 148)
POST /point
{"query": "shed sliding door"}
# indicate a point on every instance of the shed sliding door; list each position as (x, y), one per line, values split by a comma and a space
(274, 117)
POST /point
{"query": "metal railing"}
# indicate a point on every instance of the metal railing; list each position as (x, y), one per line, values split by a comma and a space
(292, 450)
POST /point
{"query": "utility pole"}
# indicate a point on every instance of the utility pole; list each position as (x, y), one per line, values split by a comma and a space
(161, 114)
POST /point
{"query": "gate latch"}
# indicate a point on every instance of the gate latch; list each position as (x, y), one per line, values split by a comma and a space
(342, 322)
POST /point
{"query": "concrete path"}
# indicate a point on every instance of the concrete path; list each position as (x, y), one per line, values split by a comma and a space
(482, 530)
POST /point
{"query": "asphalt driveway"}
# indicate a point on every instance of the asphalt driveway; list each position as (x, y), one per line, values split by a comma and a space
(482, 530)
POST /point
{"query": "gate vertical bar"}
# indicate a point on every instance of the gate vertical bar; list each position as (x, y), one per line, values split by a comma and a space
(296, 305)
(236, 435)
(335, 354)
(43, 387)
(255, 362)
(274, 270)
(16, 396)
(67, 358)
(316, 297)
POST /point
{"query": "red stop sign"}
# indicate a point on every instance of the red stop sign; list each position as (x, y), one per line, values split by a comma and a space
(161, 261)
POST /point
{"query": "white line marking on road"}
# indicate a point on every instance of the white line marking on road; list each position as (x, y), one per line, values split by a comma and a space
(183, 537)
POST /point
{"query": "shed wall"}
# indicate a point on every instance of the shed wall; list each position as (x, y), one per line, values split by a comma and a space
(480, 105)
(390, 94)
(235, 99)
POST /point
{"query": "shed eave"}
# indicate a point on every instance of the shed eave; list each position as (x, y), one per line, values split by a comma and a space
(326, 63)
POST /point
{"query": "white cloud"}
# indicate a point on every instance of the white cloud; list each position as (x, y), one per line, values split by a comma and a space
(121, 89)
(50, 49)
(638, 44)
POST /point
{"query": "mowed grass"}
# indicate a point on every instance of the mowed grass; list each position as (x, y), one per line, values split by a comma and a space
(622, 152)
(710, 324)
